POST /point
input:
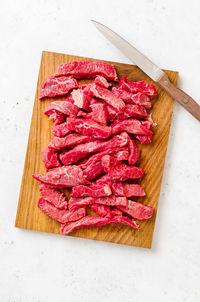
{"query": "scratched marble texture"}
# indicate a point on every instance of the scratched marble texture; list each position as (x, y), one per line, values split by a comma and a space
(36, 267)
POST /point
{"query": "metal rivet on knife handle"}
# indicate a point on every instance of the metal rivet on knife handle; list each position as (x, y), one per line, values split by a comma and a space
(185, 101)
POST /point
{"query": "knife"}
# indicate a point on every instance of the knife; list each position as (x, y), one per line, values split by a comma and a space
(153, 71)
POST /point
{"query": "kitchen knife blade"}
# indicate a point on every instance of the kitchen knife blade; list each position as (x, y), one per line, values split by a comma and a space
(151, 69)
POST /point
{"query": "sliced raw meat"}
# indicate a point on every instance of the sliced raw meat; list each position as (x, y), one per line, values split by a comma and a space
(105, 179)
(57, 86)
(50, 158)
(62, 216)
(63, 177)
(145, 139)
(58, 119)
(101, 210)
(131, 126)
(117, 152)
(91, 191)
(53, 196)
(134, 152)
(110, 98)
(127, 190)
(132, 98)
(88, 127)
(63, 107)
(99, 113)
(116, 212)
(60, 130)
(112, 200)
(121, 155)
(138, 210)
(93, 170)
(72, 139)
(130, 110)
(135, 87)
(81, 99)
(101, 81)
(88, 70)
(83, 150)
(89, 221)
(119, 171)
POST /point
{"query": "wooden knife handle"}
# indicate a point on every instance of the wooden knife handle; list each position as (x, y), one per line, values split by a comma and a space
(180, 96)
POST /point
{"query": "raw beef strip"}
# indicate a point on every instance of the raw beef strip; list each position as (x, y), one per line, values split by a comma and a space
(89, 127)
(110, 98)
(83, 150)
(91, 191)
(122, 154)
(131, 126)
(58, 118)
(62, 216)
(88, 70)
(81, 99)
(63, 177)
(60, 130)
(101, 81)
(96, 157)
(134, 152)
(105, 179)
(89, 221)
(116, 212)
(130, 110)
(57, 86)
(135, 87)
(93, 170)
(72, 139)
(120, 171)
(144, 139)
(64, 107)
(132, 98)
(112, 200)
(53, 196)
(99, 113)
(50, 158)
(101, 210)
(138, 210)
(127, 190)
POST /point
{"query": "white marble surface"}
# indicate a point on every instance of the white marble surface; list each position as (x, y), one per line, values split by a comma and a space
(36, 267)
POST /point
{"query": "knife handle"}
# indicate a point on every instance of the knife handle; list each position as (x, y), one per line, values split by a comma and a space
(180, 96)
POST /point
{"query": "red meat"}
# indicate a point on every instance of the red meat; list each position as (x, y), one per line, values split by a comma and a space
(130, 110)
(134, 152)
(89, 221)
(88, 127)
(53, 196)
(131, 126)
(93, 170)
(127, 190)
(110, 98)
(57, 86)
(62, 216)
(138, 210)
(116, 212)
(122, 154)
(64, 107)
(83, 150)
(101, 81)
(58, 118)
(63, 177)
(91, 191)
(88, 70)
(132, 98)
(50, 158)
(105, 179)
(145, 139)
(60, 130)
(99, 113)
(81, 99)
(112, 200)
(72, 139)
(101, 210)
(135, 87)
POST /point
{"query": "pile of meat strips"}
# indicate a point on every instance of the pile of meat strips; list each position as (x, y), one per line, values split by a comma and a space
(98, 123)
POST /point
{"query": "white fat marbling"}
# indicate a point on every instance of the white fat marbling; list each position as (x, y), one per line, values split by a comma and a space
(37, 267)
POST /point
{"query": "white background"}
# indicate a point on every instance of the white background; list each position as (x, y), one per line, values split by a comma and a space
(40, 267)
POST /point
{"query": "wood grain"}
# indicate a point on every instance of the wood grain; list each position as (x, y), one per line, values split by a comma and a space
(152, 161)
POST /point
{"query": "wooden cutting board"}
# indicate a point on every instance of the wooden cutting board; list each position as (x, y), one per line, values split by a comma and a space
(152, 161)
